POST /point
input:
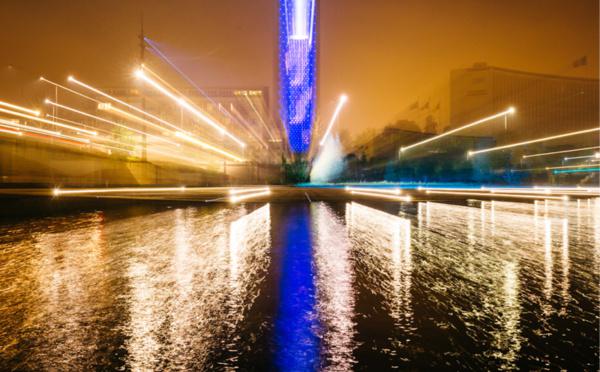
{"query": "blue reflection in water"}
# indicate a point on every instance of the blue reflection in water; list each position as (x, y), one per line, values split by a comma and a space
(296, 325)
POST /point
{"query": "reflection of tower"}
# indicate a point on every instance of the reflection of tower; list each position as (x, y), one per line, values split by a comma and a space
(297, 70)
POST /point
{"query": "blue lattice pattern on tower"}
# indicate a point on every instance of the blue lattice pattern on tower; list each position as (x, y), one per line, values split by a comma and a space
(297, 70)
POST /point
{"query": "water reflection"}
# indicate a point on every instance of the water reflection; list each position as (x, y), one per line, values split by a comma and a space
(335, 291)
(381, 244)
(297, 324)
(299, 286)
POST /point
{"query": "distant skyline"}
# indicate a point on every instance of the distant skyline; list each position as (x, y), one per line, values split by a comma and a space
(383, 54)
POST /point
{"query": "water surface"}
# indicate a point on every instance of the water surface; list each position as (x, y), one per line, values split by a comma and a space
(304, 286)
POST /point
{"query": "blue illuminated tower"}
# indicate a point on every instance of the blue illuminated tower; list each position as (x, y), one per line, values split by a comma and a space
(297, 71)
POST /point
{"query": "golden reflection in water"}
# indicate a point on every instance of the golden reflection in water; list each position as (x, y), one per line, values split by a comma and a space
(548, 262)
(565, 263)
(385, 242)
(334, 284)
(177, 287)
(69, 293)
(489, 269)
(509, 339)
(249, 246)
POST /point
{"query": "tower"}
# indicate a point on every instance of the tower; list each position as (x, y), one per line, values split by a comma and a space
(297, 71)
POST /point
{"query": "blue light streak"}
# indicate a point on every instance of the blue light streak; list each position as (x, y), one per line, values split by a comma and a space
(577, 170)
(297, 323)
(297, 70)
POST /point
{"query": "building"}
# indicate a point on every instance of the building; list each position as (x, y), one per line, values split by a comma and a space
(298, 70)
(545, 105)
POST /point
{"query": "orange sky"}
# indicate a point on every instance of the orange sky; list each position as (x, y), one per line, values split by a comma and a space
(383, 53)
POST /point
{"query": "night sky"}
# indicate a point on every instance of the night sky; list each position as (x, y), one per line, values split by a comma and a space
(383, 53)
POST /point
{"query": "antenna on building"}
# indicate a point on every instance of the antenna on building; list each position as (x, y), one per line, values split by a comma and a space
(141, 62)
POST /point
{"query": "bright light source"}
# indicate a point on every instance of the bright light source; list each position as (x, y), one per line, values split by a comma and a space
(20, 108)
(58, 191)
(480, 121)
(341, 102)
(470, 153)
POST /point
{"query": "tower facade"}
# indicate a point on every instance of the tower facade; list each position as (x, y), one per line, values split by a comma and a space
(297, 71)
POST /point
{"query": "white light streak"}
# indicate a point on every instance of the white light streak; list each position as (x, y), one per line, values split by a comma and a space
(394, 191)
(384, 196)
(119, 125)
(238, 198)
(511, 110)
(20, 108)
(13, 132)
(342, 101)
(41, 120)
(186, 105)
(471, 153)
(498, 194)
(88, 87)
(58, 191)
(207, 146)
(247, 190)
(580, 157)
(560, 152)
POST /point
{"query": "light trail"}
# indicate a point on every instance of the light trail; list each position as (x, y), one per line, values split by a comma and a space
(582, 170)
(147, 114)
(259, 116)
(240, 119)
(207, 146)
(166, 59)
(76, 123)
(119, 125)
(243, 191)
(560, 152)
(543, 191)
(20, 108)
(13, 132)
(502, 195)
(27, 128)
(342, 101)
(596, 155)
(511, 110)
(55, 123)
(110, 108)
(395, 191)
(185, 159)
(384, 196)
(68, 89)
(568, 166)
(238, 198)
(471, 153)
(58, 191)
(181, 101)
(504, 190)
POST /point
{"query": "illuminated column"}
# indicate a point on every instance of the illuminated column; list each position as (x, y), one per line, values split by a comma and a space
(297, 70)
